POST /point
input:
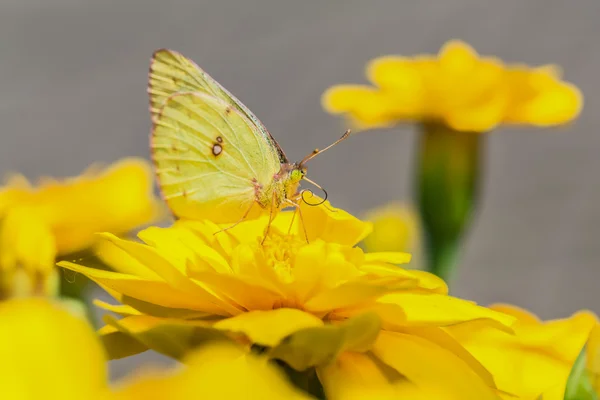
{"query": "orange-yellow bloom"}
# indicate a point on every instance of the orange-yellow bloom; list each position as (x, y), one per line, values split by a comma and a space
(457, 88)
(323, 305)
(538, 358)
(47, 353)
(395, 228)
(39, 224)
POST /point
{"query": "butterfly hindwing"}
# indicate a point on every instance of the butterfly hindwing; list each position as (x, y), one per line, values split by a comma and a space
(209, 158)
(171, 72)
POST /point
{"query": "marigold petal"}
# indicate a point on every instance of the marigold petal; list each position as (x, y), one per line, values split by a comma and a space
(554, 106)
(392, 257)
(116, 200)
(249, 262)
(333, 268)
(41, 346)
(427, 282)
(395, 228)
(351, 373)
(522, 315)
(157, 292)
(543, 352)
(121, 309)
(430, 282)
(210, 372)
(593, 357)
(442, 338)
(395, 73)
(333, 225)
(510, 363)
(562, 337)
(241, 292)
(440, 310)
(120, 261)
(182, 247)
(27, 241)
(168, 270)
(351, 294)
(430, 366)
(481, 117)
(457, 55)
(156, 310)
(367, 106)
(268, 328)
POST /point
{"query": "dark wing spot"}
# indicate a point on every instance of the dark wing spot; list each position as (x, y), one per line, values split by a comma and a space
(219, 139)
(217, 149)
(227, 110)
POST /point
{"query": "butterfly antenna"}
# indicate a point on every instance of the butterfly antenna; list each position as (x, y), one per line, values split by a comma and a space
(312, 194)
(315, 152)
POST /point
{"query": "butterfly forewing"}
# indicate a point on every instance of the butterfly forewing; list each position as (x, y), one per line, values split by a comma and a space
(209, 157)
(171, 72)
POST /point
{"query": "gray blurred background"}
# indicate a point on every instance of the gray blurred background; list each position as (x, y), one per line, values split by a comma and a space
(72, 91)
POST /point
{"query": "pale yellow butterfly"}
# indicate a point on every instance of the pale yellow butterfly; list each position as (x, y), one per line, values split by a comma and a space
(214, 159)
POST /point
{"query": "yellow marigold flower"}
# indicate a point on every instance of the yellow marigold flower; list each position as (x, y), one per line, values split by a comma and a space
(537, 358)
(48, 353)
(216, 371)
(38, 224)
(324, 304)
(457, 88)
(395, 228)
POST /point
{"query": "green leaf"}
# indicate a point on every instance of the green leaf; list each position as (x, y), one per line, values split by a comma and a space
(315, 346)
(579, 384)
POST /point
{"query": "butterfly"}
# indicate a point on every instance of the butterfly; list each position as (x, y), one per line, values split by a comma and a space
(213, 158)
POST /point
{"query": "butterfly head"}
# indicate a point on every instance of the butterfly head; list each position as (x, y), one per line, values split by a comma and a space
(297, 173)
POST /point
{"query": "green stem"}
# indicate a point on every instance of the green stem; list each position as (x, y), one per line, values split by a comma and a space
(442, 261)
(447, 178)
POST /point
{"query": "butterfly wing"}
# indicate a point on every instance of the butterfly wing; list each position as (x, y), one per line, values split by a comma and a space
(209, 158)
(171, 72)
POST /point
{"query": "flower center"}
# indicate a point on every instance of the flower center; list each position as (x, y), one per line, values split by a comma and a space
(280, 252)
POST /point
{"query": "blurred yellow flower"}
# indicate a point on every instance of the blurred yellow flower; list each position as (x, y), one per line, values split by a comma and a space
(37, 224)
(395, 228)
(457, 88)
(538, 358)
(48, 353)
(324, 304)
(216, 371)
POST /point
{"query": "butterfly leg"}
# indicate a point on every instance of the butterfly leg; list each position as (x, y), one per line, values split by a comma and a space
(293, 219)
(241, 219)
(271, 217)
(299, 211)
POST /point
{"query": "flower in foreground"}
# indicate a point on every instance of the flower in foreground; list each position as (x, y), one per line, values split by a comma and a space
(454, 96)
(457, 88)
(535, 360)
(49, 353)
(322, 307)
(39, 224)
